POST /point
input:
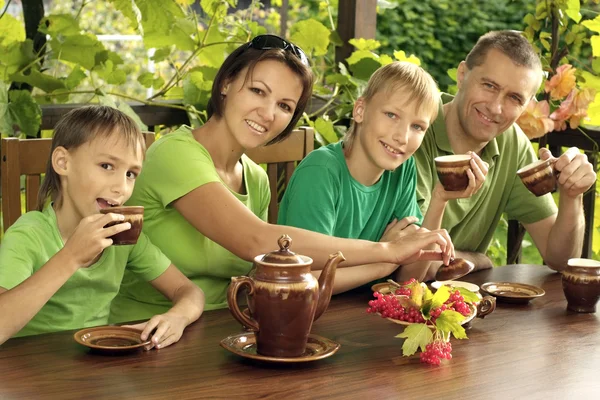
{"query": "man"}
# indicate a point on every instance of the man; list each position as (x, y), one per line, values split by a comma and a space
(499, 77)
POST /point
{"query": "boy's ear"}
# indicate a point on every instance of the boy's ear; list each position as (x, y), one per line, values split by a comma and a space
(60, 160)
(358, 110)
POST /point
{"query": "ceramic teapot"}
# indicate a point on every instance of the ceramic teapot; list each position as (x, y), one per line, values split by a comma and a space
(284, 299)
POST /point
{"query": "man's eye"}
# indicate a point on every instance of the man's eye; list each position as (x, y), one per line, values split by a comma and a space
(131, 175)
(390, 115)
(106, 166)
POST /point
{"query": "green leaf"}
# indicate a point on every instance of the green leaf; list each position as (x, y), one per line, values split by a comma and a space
(117, 77)
(416, 335)
(337, 78)
(3, 99)
(596, 65)
(311, 35)
(130, 10)
(334, 37)
(212, 7)
(365, 44)
(440, 296)
(572, 10)
(453, 74)
(61, 95)
(37, 79)
(592, 25)
(449, 321)
(364, 68)
(22, 113)
(75, 77)
(59, 24)
(126, 109)
(590, 80)
(146, 79)
(325, 128)
(470, 297)
(14, 57)
(11, 30)
(78, 49)
(401, 56)
(359, 55)
(162, 54)
(595, 42)
(164, 24)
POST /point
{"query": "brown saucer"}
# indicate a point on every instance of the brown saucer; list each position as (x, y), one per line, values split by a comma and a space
(511, 292)
(244, 344)
(111, 339)
(456, 268)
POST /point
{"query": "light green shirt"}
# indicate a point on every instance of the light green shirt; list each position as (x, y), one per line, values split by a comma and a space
(323, 196)
(175, 165)
(84, 300)
(471, 222)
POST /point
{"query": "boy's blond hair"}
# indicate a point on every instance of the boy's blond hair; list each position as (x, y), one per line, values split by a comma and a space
(418, 85)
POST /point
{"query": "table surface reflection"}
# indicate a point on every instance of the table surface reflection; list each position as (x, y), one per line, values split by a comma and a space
(537, 350)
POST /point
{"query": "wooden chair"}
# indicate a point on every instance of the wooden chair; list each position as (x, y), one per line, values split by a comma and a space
(26, 157)
(281, 159)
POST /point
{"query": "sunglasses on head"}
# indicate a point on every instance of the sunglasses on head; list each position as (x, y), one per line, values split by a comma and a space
(267, 42)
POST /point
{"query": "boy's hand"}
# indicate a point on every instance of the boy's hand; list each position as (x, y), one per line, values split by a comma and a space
(91, 237)
(169, 329)
(409, 248)
(397, 229)
(477, 174)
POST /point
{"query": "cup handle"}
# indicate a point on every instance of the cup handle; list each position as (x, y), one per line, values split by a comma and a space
(236, 284)
(486, 306)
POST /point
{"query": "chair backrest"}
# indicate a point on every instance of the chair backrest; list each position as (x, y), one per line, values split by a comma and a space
(26, 157)
(281, 159)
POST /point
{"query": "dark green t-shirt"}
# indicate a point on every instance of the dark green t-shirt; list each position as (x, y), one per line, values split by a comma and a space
(323, 197)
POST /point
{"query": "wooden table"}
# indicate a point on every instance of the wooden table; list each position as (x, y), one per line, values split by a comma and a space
(529, 351)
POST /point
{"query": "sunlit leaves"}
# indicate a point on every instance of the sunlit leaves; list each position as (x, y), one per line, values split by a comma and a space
(365, 44)
(572, 10)
(595, 42)
(59, 24)
(78, 49)
(14, 57)
(450, 321)
(147, 79)
(11, 30)
(130, 10)
(401, 56)
(164, 24)
(312, 37)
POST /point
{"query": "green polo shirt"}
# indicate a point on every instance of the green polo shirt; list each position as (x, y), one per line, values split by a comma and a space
(471, 222)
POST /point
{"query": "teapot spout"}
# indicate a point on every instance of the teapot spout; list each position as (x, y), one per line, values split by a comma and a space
(326, 282)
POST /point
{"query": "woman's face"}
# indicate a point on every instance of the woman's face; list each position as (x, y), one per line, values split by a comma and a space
(259, 108)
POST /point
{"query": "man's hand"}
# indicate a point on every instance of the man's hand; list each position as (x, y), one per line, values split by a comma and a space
(576, 173)
(477, 174)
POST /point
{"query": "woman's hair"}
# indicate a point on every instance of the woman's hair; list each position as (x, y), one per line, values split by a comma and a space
(247, 56)
(412, 80)
(80, 126)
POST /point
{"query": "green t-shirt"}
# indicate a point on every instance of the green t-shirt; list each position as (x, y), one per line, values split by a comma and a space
(175, 165)
(84, 300)
(322, 196)
(471, 222)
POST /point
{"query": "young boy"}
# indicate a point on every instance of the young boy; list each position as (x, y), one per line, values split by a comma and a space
(58, 270)
(364, 186)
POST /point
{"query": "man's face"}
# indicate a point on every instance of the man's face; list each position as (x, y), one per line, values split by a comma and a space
(493, 95)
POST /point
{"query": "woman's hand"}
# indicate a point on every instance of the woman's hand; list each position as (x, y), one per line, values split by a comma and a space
(91, 237)
(169, 329)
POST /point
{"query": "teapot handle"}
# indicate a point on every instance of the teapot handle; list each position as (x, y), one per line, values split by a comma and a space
(236, 283)
(486, 306)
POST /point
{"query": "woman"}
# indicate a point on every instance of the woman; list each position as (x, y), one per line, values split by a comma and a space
(206, 201)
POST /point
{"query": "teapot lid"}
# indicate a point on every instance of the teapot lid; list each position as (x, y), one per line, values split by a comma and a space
(283, 255)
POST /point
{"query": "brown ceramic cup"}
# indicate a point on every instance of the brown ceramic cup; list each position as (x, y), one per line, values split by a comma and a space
(539, 177)
(452, 171)
(134, 215)
(581, 284)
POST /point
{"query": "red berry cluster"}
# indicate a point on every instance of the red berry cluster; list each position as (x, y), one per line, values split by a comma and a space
(456, 302)
(436, 351)
(388, 306)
